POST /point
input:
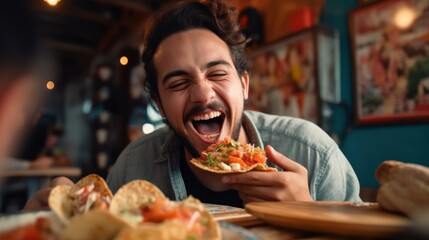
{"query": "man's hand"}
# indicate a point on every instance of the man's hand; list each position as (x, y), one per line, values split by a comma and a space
(290, 184)
(40, 200)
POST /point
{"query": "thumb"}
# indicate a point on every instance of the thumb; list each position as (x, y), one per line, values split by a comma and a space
(281, 160)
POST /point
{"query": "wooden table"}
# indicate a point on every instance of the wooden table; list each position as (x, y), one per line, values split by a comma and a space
(316, 220)
(39, 178)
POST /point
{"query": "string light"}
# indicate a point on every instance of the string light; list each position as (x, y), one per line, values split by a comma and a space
(123, 60)
(50, 85)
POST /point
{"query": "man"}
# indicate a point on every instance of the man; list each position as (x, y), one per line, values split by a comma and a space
(197, 74)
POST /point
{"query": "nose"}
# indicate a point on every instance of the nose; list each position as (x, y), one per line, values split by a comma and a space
(202, 92)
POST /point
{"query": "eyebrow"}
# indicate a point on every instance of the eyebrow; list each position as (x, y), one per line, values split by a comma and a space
(182, 72)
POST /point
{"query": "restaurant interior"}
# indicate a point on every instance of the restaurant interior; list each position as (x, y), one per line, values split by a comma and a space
(313, 59)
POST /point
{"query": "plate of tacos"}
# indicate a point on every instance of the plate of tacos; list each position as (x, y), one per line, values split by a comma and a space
(230, 156)
(138, 210)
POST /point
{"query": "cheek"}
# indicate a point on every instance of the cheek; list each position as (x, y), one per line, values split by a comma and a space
(235, 93)
(173, 106)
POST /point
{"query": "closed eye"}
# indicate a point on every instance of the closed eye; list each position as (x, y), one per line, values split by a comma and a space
(217, 75)
(179, 85)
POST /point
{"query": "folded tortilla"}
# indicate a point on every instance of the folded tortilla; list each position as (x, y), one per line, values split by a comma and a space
(230, 156)
(189, 216)
(61, 199)
(95, 224)
(133, 194)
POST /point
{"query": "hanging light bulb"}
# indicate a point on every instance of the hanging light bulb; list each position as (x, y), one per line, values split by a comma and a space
(52, 2)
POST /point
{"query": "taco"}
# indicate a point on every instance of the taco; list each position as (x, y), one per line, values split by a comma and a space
(96, 224)
(133, 195)
(90, 192)
(143, 206)
(230, 156)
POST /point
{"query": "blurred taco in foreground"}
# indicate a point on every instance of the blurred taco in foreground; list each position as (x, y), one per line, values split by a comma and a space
(230, 156)
(90, 192)
(96, 224)
(153, 216)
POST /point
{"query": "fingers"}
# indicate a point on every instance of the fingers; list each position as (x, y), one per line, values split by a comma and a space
(282, 161)
(248, 198)
(253, 178)
(61, 181)
(257, 193)
(39, 201)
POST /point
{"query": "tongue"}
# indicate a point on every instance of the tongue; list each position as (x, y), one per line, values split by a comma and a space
(207, 127)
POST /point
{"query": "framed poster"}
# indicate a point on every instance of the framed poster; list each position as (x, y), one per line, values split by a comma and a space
(390, 47)
(283, 77)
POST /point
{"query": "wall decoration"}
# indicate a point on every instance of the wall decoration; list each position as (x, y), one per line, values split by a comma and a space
(390, 46)
(103, 120)
(284, 76)
(328, 56)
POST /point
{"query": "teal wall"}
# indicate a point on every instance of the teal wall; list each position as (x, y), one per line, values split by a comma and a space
(367, 147)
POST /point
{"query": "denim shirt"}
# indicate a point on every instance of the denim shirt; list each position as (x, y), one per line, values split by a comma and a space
(155, 157)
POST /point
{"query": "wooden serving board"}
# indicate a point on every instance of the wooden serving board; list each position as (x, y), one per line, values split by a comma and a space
(342, 218)
(237, 216)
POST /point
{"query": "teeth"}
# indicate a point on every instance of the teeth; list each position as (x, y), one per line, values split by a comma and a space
(206, 116)
(212, 136)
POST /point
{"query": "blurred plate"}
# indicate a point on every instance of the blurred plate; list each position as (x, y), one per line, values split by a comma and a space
(24, 226)
(230, 214)
(12, 221)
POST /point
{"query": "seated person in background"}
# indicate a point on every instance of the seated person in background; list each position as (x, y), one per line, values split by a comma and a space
(40, 147)
(39, 150)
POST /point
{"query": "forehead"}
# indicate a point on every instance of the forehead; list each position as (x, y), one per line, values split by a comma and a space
(191, 48)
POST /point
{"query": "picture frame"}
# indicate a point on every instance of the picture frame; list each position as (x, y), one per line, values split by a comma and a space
(390, 52)
(284, 75)
(328, 65)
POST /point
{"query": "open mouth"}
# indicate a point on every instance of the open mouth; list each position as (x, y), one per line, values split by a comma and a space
(209, 124)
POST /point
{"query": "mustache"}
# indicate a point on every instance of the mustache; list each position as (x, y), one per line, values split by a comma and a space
(214, 106)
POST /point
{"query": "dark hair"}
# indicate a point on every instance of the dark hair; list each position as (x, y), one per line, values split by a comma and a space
(213, 15)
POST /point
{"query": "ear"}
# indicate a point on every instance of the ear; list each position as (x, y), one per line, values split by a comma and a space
(245, 84)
